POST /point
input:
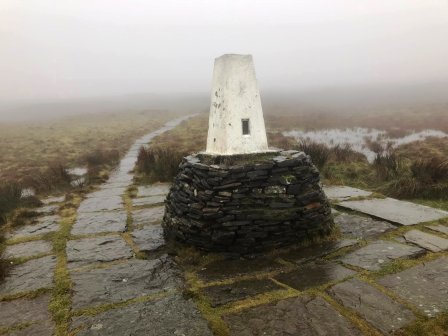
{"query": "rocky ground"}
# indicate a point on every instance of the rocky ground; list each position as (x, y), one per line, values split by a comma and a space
(99, 265)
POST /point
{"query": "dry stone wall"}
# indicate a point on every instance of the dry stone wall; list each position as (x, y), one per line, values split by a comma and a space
(248, 206)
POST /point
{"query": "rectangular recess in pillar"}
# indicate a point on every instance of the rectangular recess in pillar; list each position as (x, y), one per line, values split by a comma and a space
(246, 126)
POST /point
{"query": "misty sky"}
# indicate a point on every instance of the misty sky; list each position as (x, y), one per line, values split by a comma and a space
(53, 49)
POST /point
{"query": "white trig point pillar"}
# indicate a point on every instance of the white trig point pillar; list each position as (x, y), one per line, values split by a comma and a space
(236, 124)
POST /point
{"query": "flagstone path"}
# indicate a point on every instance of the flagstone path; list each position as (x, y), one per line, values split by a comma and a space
(387, 270)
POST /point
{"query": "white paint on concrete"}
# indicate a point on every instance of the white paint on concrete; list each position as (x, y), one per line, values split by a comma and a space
(235, 98)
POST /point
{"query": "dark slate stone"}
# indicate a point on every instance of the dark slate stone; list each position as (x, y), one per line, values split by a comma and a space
(44, 225)
(124, 281)
(94, 204)
(43, 328)
(424, 285)
(379, 253)
(29, 276)
(439, 228)
(361, 227)
(28, 249)
(150, 200)
(149, 239)
(172, 315)
(229, 268)
(224, 294)
(427, 241)
(314, 274)
(98, 249)
(48, 209)
(97, 222)
(24, 311)
(304, 316)
(375, 307)
(305, 254)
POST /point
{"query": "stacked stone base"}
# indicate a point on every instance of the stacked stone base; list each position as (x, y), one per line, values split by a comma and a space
(253, 204)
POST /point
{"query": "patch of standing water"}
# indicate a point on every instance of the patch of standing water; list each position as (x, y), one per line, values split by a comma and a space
(358, 138)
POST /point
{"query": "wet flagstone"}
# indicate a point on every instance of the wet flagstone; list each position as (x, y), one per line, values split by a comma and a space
(378, 253)
(304, 316)
(150, 200)
(438, 228)
(305, 254)
(314, 274)
(361, 227)
(401, 212)
(169, 316)
(148, 215)
(124, 281)
(426, 240)
(53, 199)
(24, 310)
(229, 268)
(223, 294)
(43, 328)
(107, 191)
(29, 276)
(98, 249)
(150, 238)
(340, 193)
(154, 190)
(378, 309)
(44, 225)
(28, 249)
(425, 285)
(101, 204)
(97, 222)
(48, 209)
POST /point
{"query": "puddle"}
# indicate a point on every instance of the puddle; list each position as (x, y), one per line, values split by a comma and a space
(358, 138)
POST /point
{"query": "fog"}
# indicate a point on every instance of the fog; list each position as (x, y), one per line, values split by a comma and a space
(138, 52)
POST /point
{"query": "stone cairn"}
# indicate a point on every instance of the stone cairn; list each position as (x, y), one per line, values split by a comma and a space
(247, 203)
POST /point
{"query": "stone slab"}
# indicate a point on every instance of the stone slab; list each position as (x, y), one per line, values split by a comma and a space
(97, 222)
(124, 281)
(154, 190)
(48, 209)
(426, 240)
(314, 274)
(305, 254)
(172, 315)
(150, 200)
(378, 253)
(150, 238)
(438, 228)
(53, 199)
(44, 328)
(341, 193)
(304, 316)
(99, 249)
(372, 305)
(28, 249)
(425, 285)
(361, 227)
(107, 191)
(29, 276)
(224, 294)
(44, 225)
(400, 212)
(24, 310)
(148, 215)
(94, 204)
(229, 268)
